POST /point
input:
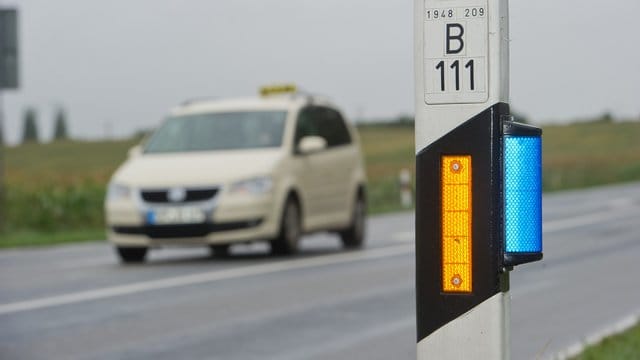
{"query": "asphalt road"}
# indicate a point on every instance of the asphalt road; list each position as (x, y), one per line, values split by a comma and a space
(77, 302)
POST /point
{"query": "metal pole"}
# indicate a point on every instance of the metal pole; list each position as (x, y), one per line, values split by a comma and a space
(461, 59)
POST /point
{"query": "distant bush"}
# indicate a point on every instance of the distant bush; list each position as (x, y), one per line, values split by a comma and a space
(60, 131)
(384, 195)
(605, 118)
(30, 126)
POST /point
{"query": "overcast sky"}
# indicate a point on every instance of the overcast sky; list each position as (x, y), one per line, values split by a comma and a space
(118, 65)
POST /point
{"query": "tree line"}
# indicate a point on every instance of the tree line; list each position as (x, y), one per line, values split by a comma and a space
(30, 126)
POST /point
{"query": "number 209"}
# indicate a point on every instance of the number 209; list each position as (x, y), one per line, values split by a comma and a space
(473, 12)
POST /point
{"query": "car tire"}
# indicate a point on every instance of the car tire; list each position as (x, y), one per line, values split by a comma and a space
(132, 254)
(353, 237)
(290, 230)
(222, 250)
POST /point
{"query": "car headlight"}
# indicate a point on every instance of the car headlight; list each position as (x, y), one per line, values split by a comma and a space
(118, 192)
(254, 186)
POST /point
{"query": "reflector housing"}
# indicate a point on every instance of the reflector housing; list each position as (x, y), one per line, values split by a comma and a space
(522, 194)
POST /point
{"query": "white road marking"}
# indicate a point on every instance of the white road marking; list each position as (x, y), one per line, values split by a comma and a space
(574, 222)
(200, 278)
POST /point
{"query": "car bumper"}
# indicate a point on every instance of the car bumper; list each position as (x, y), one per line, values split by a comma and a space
(237, 221)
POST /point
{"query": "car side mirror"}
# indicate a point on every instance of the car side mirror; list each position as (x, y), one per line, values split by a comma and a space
(311, 144)
(135, 151)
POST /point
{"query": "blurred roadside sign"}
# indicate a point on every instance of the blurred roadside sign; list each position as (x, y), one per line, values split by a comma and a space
(8, 49)
(8, 80)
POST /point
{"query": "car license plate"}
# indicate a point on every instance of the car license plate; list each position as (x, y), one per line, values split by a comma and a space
(175, 215)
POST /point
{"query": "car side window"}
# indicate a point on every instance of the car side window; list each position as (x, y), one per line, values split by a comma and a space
(333, 128)
(324, 122)
(305, 126)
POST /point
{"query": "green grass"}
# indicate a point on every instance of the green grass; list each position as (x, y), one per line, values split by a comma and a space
(64, 163)
(55, 192)
(622, 346)
(589, 154)
(23, 237)
(387, 150)
(54, 206)
(59, 188)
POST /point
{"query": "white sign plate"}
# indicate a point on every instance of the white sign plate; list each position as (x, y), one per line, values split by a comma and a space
(456, 51)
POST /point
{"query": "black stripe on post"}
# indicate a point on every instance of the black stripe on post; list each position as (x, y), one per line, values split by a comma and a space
(481, 138)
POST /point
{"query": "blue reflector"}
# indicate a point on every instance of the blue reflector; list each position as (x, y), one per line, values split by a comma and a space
(523, 194)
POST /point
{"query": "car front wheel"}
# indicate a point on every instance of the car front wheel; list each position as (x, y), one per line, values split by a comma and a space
(290, 230)
(353, 236)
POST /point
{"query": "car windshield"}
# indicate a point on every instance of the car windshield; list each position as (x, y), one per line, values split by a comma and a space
(219, 131)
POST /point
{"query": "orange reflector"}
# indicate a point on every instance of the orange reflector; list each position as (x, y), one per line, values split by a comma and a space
(456, 224)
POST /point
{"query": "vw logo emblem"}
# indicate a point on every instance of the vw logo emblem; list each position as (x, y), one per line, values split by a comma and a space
(176, 194)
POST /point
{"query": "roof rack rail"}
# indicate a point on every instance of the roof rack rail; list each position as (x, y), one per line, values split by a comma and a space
(194, 100)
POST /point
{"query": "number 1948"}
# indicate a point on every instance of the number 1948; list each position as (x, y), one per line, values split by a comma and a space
(440, 14)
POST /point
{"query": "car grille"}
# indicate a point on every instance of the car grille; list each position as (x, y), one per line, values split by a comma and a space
(161, 195)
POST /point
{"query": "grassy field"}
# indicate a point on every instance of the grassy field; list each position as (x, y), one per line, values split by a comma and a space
(590, 154)
(59, 188)
(621, 346)
(64, 163)
(387, 150)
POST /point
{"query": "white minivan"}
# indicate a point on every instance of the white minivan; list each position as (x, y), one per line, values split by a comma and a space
(218, 172)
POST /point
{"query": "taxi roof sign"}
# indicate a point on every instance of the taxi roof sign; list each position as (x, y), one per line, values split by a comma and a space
(278, 89)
